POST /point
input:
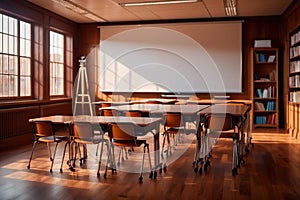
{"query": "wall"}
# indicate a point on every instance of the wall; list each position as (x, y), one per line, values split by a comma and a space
(290, 21)
(14, 115)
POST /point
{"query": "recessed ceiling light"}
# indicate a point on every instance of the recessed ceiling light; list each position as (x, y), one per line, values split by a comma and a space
(230, 7)
(80, 10)
(151, 3)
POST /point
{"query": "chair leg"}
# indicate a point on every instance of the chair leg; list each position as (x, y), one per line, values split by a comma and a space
(110, 150)
(97, 149)
(152, 174)
(49, 150)
(33, 147)
(166, 135)
(85, 155)
(234, 157)
(196, 155)
(142, 166)
(163, 145)
(126, 153)
(62, 161)
(100, 158)
(169, 144)
(53, 156)
(119, 156)
(175, 139)
(75, 153)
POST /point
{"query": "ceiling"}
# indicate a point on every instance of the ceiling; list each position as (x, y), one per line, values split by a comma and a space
(111, 11)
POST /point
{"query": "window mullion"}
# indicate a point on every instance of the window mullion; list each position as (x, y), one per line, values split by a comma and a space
(19, 67)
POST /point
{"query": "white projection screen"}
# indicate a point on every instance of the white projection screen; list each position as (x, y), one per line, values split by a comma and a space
(171, 58)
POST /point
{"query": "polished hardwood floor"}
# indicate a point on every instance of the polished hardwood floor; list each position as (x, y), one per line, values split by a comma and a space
(271, 171)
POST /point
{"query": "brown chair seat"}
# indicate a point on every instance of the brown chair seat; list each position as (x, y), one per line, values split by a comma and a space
(123, 135)
(44, 132)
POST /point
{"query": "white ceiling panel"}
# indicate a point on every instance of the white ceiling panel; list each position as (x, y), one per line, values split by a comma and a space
(111, 11)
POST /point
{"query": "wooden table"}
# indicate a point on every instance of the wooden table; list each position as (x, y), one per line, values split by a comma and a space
(160, 108)
(142, 125)
(239, 113)
(158, 100)
(217, 101)
(189, 112)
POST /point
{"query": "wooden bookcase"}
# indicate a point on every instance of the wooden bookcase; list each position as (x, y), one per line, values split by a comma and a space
(294, 83)
(264, 88)
(294, 66)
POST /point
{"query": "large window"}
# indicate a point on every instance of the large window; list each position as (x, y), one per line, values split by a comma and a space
(56, 64)
(15, 58)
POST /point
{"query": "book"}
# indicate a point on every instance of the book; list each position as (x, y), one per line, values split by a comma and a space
(259, 93)
(259, 106)
(265, 93)
(271, 58)
(262, 58)
(262, 43)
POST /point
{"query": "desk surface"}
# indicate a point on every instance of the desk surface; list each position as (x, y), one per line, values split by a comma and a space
(160, 108)
(143, 101)
(61, 119)
(233, 109)
(160, 100)
(184, 109)
(216, 101)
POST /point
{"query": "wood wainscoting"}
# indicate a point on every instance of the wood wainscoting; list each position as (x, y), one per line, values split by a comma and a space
(15, 130)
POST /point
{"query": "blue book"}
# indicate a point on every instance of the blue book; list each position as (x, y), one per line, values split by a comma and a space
(262, 58)
(268, 106)
(259, 93)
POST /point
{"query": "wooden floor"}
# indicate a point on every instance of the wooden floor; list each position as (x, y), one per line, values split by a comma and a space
(271, 171)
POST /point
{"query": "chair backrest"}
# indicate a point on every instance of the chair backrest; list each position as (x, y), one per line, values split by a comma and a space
(242, 104)
(103, 105)
(43, 128)
(121, 132)
(133, 113)
(83, 130)
(108, 112)
(173, 120)
(219, 122)
(153, 102)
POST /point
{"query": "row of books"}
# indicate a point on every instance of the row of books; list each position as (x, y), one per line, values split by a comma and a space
(267, 92)
(295, 96)
(269, 106)
(295, 38)
(295, 66)
(270, 119)
(294, 52)
(294, 81)
(261, 57)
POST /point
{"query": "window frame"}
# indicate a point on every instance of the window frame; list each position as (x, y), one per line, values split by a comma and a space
(18, 55)
(64, 64)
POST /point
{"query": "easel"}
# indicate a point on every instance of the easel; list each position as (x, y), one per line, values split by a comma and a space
(82, 89)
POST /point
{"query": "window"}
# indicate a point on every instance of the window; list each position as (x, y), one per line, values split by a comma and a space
(15, 58)
(56, 64)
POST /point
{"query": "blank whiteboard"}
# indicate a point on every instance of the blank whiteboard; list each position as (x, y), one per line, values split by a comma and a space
(171, 58)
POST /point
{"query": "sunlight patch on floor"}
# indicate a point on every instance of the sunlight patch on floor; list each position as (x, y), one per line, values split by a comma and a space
(48, 179)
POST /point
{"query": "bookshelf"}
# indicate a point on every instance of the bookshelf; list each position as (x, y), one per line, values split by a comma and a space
(294, 82)
(264, 72)
(294, 67)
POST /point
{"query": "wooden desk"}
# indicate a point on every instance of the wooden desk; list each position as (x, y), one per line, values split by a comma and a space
(184, 109)
(158, 100)
(233, 109)
(142, 125)
(239, 114)
(160, 108)
(217, 101)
